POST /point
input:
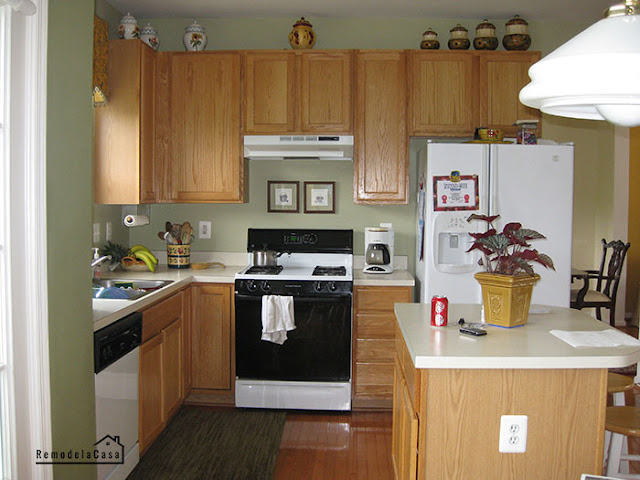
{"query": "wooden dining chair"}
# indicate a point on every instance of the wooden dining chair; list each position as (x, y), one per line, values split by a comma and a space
(607, 279)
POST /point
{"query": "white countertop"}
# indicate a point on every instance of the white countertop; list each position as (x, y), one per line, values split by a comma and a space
(528, 346)
(108, 311)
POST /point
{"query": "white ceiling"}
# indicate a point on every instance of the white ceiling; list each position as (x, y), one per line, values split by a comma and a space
(531, 10)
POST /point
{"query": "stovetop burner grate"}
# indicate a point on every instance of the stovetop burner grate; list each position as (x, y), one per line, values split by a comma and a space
(329, 271)
(265, 269)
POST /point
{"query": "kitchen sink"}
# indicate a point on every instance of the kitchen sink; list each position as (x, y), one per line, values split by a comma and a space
(125, 289)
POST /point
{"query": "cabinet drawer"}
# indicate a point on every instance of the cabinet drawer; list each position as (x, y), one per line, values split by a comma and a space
(374, 374)
(380, 299)
(374, 391)
(159, 316)
(375, 325)
(375, 350)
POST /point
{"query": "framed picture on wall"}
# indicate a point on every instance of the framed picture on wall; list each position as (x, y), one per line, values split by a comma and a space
(283, 196)
(319, 197)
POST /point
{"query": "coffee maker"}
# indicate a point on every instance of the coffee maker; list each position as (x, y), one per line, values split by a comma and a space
(378, 249)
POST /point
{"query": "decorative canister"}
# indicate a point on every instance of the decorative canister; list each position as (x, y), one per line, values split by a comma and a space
(149, 35)
(485, 36)
(178, 256)
(430, 40)
(459, 38)
(517, 37)
(302, 36)
(195, 37)
(128, 28)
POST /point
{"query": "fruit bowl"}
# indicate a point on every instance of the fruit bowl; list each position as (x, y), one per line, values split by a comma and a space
(133, 265)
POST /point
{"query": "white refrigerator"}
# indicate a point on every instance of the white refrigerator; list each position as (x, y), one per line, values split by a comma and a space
(530, 184)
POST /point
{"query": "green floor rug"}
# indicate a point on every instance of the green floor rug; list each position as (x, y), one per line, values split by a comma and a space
(227, 444)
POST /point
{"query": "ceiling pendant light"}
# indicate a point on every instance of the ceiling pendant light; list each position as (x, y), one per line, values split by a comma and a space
(596, 74)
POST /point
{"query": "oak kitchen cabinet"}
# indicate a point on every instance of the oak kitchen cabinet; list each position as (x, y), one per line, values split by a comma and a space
(451, 93)
(198, 137)
(298, 92)
(212, 343)
(501, 77)
(374, 345)
(162, 366)
(124, 168)
(381, 150)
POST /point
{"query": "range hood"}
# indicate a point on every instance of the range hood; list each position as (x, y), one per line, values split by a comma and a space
(311, 147)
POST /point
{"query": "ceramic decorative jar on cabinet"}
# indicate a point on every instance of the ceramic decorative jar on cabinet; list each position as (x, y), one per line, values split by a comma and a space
(430, 40)
(128, 28)
(459, 38)
(485, 36)
(517, 37)
(149, 35)
(195, 37)
(302, 36)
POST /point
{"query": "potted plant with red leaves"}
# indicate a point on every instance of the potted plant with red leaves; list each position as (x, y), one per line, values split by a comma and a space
(509, 278)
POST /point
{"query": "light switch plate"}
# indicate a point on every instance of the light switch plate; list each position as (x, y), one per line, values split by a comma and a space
(204, 230)
(96, 233)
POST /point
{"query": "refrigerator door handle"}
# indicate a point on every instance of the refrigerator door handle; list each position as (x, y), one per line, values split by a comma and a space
(492, 168)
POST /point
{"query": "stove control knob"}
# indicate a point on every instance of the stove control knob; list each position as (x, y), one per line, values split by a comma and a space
(317, 286)
(265, 286)
(310, 238)
(251, 285)
(333, 287)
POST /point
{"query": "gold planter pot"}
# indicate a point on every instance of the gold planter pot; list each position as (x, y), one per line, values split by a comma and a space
(506, 298)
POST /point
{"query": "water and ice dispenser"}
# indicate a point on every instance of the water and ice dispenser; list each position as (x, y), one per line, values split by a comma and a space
(451, 241)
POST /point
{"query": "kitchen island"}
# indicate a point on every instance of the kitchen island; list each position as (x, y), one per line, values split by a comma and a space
(451, 390)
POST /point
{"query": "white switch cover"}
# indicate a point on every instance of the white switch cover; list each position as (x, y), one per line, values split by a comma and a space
(107, 232)
(96, 232)
(513, 433)
(204, 230)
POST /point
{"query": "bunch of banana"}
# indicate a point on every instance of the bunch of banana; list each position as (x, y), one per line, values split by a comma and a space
(142, 253)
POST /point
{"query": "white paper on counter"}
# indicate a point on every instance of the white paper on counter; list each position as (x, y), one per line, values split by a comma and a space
(599, 338)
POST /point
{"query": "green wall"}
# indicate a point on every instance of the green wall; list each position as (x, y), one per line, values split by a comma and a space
(69, 199)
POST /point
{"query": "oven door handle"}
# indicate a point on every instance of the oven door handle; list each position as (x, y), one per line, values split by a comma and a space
(296, 298)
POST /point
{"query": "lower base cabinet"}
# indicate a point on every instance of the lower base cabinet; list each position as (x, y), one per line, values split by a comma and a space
(161, 383)
(404, 443)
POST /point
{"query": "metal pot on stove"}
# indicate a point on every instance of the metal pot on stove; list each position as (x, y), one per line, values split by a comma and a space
(378, 254)
(266, 258)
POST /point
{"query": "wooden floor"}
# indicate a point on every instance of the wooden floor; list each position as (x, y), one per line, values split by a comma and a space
(336, 446)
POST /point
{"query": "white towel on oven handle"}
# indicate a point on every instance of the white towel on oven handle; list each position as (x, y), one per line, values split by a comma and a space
(277, 318)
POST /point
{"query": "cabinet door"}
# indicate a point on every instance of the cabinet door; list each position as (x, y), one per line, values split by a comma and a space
(124, 172)
(270, 92)
(404, 438)
(325, 92)
(211, 337)
(205, 164)
(172, 361)
(381, 141)
(502, 76)
(441, 93)
(151, 410)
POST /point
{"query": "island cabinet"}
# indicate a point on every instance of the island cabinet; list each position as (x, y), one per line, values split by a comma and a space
(212, 344)
(381, 150)
(198, 140)
(298, 92)
(453, 390)
(443, 94)
(124, 168)
(162, 366)
(501, 77)
(373, 344)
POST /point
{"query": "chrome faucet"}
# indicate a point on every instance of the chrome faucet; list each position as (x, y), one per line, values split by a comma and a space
(97, 261)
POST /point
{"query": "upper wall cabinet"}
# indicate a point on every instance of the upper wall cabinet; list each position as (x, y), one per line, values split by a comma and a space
(502, 76)
(199, 127)
(453, 92)
(442, 93)
(381, 157)
(298, 92)
(124, 169)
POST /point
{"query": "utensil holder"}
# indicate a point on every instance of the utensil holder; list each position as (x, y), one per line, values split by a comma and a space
(179, 256)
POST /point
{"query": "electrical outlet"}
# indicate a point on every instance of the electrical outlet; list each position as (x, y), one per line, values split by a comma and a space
(204, 230)
(513, 433)
(96, 233)
(107, 232)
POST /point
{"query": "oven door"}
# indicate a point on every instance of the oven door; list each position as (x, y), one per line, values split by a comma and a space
(319, 349)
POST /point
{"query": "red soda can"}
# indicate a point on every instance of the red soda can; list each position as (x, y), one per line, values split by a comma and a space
(439, 311)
